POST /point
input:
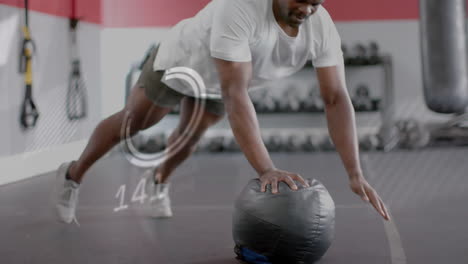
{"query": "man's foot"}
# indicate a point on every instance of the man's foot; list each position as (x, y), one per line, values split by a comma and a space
(159, 201)
(66, 194)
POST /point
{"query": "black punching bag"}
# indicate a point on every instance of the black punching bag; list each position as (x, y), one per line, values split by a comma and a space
(293, 227)
(444, 55)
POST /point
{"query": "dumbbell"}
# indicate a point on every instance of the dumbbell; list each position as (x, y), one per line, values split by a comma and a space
(230, 144)
(374, 54)
(267, 103)
(154, 144)
(215, 144)
(346, 55)
(295, 105)
(307, 105)
(360, 55)
(273, 142)
(202, 145)
(389, 137)
(369, 142)
(402, 126)
(295, 99)
(376, 104)
(256, 99)
(270, 103)
(283, 102)
(309, 144)
(313, 101)
(413, 134)
(258, 106)
(294, 143)
(176, 109)
(361, 99)
(317, 100)
(138, 141)
(290, 101)
(326, 144)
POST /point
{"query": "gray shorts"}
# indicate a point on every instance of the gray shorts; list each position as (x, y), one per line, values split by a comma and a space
(163, 95)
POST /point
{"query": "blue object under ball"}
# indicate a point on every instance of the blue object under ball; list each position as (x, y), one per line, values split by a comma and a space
(250, 256)
(293, 227)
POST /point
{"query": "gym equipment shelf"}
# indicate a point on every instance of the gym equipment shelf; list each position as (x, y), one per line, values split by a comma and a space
(385, 106)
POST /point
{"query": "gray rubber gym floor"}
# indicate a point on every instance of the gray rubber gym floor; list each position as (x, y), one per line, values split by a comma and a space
(426, 192)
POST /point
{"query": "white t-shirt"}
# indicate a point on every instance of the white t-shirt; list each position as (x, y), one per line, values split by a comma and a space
(242, 31)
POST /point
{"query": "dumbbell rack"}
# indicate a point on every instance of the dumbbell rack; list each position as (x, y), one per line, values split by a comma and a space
(387, 134)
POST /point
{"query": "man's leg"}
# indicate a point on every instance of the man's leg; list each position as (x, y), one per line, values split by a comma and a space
(160, 200)
(139, 113)
(142, 114)
(208, 119)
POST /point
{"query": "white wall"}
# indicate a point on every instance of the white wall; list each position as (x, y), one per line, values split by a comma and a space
(398, 38)
(120, 49)
(51, 70)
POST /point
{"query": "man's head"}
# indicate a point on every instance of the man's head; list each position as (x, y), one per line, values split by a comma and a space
(295, 12)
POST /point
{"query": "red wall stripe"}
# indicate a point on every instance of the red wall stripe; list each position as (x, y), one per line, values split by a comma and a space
(148, 13)
(163, 13)
(344, 10)
(87, 10)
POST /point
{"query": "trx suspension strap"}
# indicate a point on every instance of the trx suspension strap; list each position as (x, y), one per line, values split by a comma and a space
(29, 113)
(76, 94)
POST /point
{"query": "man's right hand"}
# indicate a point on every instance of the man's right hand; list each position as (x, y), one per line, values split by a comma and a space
(274, 176)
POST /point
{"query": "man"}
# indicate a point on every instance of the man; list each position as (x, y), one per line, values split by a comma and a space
(233, 45)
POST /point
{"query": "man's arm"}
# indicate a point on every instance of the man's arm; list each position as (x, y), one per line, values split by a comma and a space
(340, 116)
(341, 126)
(234, 78)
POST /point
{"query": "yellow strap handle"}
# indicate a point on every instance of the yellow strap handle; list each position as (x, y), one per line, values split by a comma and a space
(28, 78)
(28, 75)
(26, 33)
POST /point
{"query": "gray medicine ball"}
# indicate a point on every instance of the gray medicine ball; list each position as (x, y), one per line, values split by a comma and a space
(293, 227)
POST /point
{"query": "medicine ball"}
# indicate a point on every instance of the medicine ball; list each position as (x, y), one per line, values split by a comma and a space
(293, 227)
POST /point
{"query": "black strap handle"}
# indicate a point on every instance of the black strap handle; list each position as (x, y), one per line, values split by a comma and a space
(29, 113)
(77, 106)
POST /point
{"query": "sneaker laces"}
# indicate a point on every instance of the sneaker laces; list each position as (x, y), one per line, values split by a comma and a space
(161, 190)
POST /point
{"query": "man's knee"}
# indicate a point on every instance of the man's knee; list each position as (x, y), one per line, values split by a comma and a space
(210, 119)
(189, 139)
(131, 123)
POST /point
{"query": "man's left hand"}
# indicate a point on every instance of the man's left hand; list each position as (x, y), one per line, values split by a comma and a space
(361, 187)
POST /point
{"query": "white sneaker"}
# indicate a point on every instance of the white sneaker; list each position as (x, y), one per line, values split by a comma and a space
(66, 195)
(159, 201)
